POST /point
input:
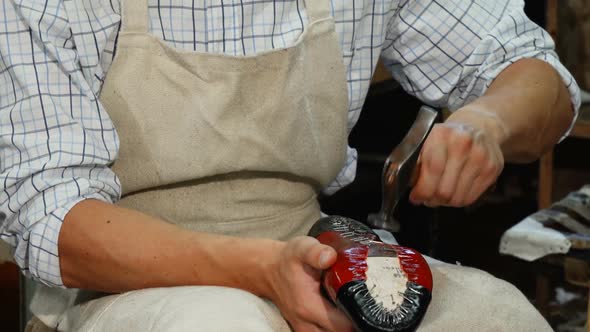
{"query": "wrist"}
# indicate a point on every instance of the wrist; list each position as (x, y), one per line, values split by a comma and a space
(243, 263)
(255, 264)
(478, 117)
(268, 266)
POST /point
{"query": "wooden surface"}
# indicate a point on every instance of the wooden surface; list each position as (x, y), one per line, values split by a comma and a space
(552, 18)
(581, 130)
(542, 296)
(582, 127)
(545, 194)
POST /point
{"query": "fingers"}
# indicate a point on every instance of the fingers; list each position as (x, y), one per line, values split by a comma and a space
(485, 179)
(460, 144)
(458, 164)
(320, 313)
(302, 326)
(434, 159)
(298, 283)
(333, 319)
(462, 194)
(310, 251)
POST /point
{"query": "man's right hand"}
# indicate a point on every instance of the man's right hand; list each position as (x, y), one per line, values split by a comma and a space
(101, 249)
(295, 281)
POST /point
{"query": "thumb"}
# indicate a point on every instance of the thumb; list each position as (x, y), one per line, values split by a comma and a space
(315, 254)
(325, 257)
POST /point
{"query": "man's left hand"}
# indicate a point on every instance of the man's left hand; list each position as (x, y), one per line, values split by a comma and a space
(460, 160)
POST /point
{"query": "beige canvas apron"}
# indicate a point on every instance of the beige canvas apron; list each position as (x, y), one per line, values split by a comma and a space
(233, 145)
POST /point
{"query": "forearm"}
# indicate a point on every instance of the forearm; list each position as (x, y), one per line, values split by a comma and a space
(108, 248)
(526, 109)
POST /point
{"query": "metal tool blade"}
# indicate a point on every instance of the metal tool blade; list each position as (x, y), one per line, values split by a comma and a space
(400, 169)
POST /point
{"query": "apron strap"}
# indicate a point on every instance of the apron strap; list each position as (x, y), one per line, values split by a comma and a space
(318, 9)
(135, 16)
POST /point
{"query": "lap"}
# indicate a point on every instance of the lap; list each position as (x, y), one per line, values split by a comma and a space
(464, 299)
(191, 308)
(467, 299)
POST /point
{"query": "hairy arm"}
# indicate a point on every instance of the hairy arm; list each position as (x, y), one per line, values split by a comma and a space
(527, 109)
(525, 112)
(113, 249)
(498, 72)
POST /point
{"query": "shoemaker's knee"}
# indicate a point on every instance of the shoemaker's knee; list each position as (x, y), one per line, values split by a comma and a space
(466, 299)
(197, 308)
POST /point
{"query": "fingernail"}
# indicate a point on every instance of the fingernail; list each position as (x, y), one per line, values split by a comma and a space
(325, 257)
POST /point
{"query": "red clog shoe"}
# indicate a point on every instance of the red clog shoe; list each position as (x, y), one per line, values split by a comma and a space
(381, 287)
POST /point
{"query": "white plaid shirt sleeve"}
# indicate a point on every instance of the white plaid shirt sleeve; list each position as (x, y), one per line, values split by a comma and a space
(56, 140)
(448, 52)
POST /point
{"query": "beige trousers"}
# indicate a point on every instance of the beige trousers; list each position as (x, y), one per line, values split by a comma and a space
(464, 299)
